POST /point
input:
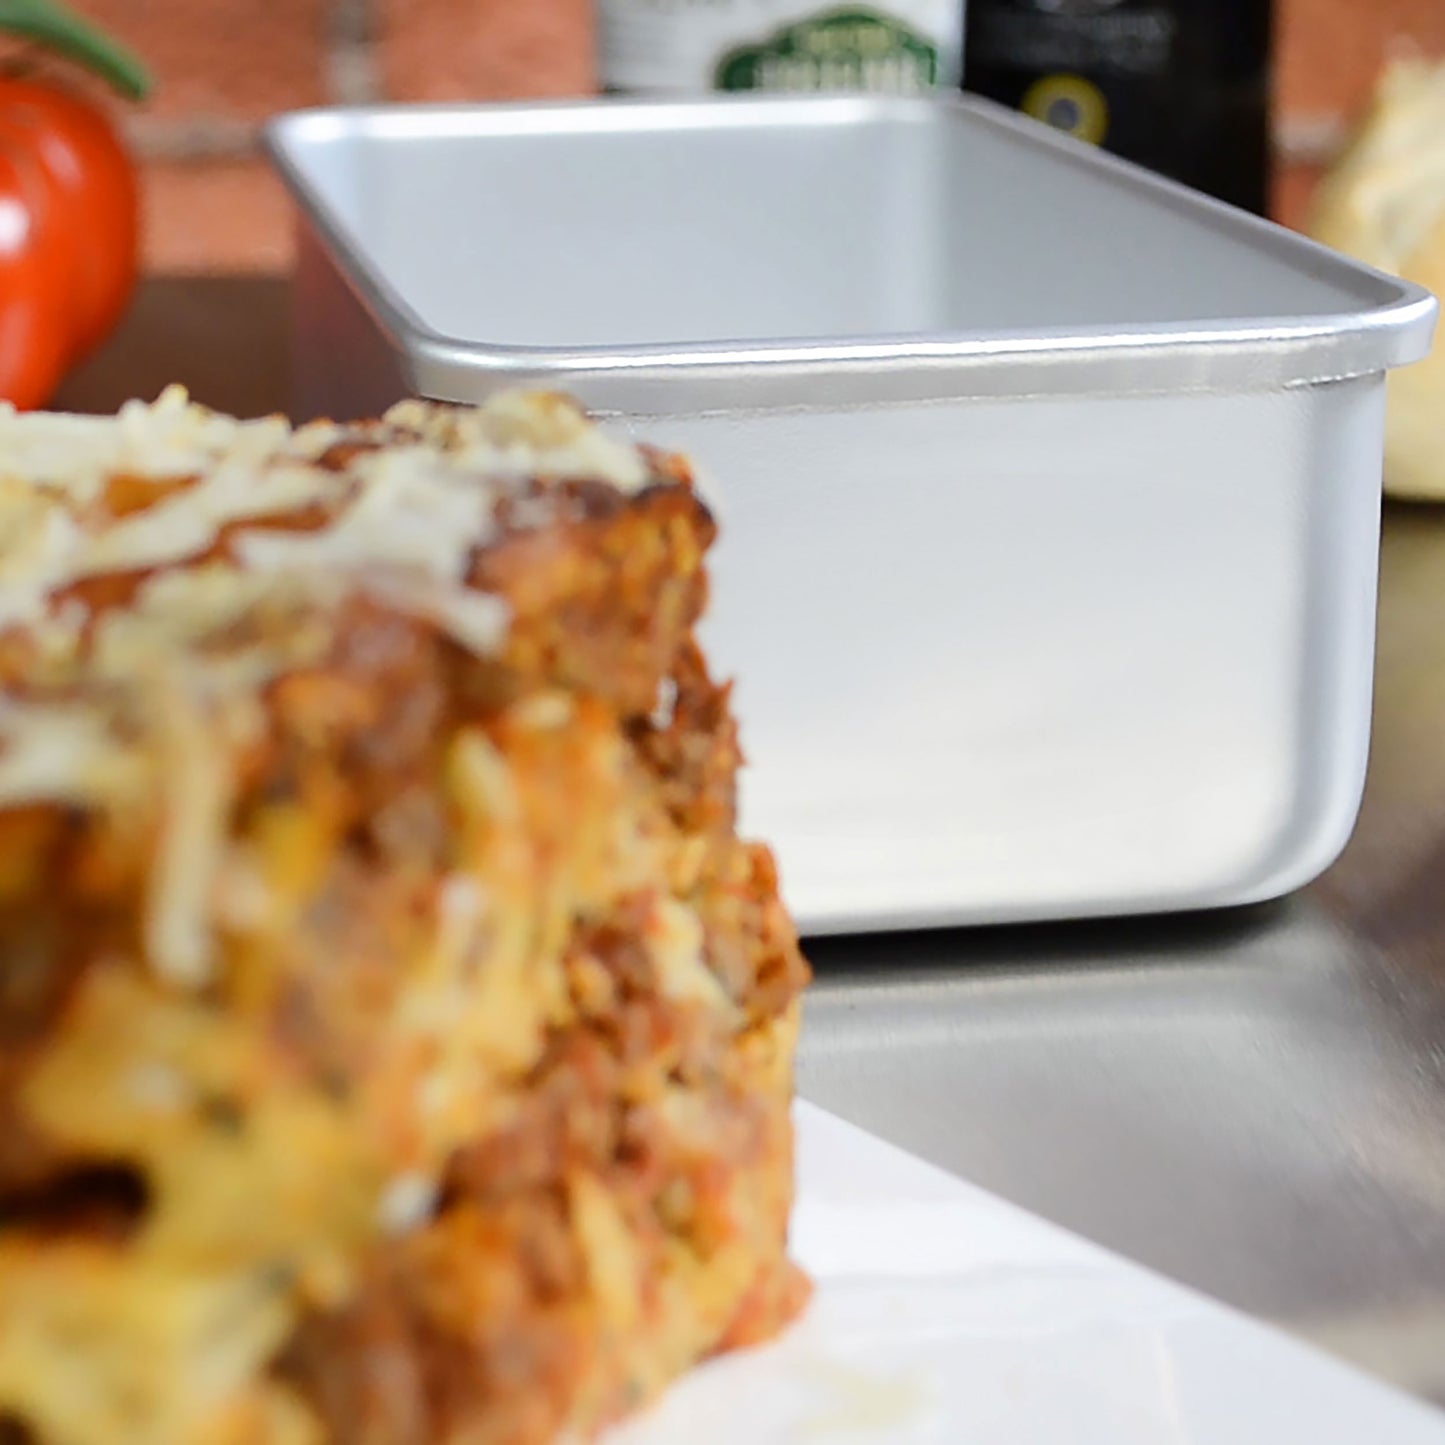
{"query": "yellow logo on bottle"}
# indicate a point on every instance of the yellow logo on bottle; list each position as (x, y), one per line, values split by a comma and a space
(1069, 103)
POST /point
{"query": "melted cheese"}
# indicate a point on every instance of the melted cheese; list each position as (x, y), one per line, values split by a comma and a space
(413, 512)
(188, 523)
(41, 543)
(476, 621)
(61, 752)
(196, 783)
(77, 455)
(528, 434)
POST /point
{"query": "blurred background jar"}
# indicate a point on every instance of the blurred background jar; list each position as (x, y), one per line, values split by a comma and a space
(1181, 86)
(680, 46)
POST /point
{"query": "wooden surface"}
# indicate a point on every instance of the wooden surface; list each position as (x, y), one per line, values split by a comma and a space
(223, 338)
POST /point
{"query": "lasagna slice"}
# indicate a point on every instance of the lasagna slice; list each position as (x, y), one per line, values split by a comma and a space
(396, 1038)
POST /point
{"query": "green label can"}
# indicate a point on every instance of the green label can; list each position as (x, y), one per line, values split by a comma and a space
(893, 47)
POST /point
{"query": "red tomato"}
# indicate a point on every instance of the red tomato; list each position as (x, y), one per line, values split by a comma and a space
(93, 190)
(36, 259)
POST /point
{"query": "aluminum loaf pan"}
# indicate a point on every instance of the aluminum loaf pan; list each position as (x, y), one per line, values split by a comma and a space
(1050, 490)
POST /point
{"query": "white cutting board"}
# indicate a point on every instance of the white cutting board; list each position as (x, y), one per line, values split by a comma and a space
(944, 1315)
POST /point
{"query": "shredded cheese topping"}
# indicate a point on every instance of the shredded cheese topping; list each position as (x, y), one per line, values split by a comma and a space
(159, 567)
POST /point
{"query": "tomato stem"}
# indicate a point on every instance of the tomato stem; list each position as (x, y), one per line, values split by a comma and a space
(58, 28)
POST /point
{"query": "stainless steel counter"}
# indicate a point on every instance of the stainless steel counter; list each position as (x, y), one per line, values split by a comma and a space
(1252, 1103)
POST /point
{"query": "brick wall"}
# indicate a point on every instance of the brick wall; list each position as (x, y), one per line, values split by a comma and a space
(223, 66)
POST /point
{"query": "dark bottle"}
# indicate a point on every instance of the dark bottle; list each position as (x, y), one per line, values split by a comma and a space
(1181, 86)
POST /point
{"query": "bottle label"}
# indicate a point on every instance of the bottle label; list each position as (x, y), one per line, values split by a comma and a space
(891, 47)
(1180, 86)
(1095, 35)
